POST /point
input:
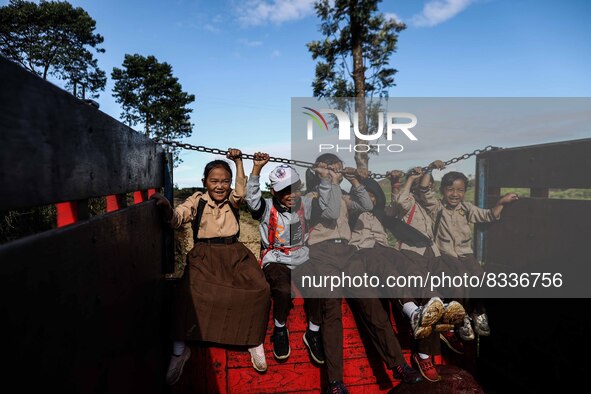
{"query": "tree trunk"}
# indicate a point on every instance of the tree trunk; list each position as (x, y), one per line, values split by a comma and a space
(147, 125)
(361, 158)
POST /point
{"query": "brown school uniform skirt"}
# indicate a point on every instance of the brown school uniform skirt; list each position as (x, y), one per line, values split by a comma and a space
(223, 296)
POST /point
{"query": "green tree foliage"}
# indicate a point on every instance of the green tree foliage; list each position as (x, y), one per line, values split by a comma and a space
(152, 96)
(53, 38)
(354, 56)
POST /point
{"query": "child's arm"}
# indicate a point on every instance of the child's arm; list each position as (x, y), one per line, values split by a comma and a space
(184, 213)
(359, 200)
(506, 199)
(394, 178)
(239, 191)
(164, 205)
(483, 215)
(427, 196)
(325, 204)
(254, 199)
(405, 200)
(437, 164)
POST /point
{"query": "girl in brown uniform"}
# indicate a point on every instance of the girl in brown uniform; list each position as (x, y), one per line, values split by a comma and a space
(223, 296)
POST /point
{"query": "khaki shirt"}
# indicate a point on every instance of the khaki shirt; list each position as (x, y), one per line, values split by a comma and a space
(218, 220)
(421, 220)
(454, 236)
(367, 232)
(357, 201)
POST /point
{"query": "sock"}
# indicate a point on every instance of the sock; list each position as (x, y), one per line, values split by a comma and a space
(424, 356)
(178, 347)
(277, 324)
(313, 327)
(408, 308)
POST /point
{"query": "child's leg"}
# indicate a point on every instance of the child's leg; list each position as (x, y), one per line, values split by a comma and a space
(427, 347)
(180, 355)
(376, 320)
(312, 337)
(476, 305)
(313, 307)
(279, 278)
(178, 347)
(332, 337)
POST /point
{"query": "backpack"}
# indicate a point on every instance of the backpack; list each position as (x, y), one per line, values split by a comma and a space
(406, 233)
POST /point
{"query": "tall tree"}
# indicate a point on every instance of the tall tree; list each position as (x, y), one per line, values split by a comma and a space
(53, 38)
(354, 55)
(150, 95)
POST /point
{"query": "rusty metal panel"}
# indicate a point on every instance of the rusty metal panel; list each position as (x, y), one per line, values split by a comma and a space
(55, 147)
(83, 307)
(542, 235)
(556, 165)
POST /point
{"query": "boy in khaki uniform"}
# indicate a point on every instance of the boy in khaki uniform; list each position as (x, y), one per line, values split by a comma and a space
(426, 259)
(453, 234)
(329, 253)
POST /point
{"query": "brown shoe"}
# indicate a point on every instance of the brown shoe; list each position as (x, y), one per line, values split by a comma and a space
(442, 327)
(175, 368)
(453, 313)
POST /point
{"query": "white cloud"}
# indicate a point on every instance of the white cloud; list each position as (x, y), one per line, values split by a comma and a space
(211, 28)
(260, 12)
(275, 53)
(439, 11)
(391, 15)
(250, 43)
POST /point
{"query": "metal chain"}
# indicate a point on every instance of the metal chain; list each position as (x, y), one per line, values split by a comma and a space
(199, 148)
(300, 163)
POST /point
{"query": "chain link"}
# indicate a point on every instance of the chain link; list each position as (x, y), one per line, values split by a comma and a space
(305, 164)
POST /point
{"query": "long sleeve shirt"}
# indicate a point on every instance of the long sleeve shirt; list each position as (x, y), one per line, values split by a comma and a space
(218, 220)
(367, 232)
(421, 220)
(358, 200)
(454, 234)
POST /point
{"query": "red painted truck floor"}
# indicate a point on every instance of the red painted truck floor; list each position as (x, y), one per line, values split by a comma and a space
(229, 370)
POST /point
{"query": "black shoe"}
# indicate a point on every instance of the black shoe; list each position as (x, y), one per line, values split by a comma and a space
(407, 374)
(336, 387)
(280, 339)
(313, 341)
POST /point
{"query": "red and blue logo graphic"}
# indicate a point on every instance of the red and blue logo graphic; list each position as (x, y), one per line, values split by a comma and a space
(317, 117)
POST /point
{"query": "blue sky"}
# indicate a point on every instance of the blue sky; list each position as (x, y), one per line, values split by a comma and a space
(244, 60)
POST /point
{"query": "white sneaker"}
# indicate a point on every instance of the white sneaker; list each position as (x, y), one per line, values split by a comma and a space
(419, 330)
(175, 368)
(466, 332)
(481, 324)
(257, 356)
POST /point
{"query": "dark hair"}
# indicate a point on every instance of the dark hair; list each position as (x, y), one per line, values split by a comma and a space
(328, 158)
(312, 179)
(378, 210)
(449, 178)
(288, 189)
(374, 187)
(215, 164)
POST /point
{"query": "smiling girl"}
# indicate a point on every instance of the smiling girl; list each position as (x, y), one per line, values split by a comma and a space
(223, 295)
